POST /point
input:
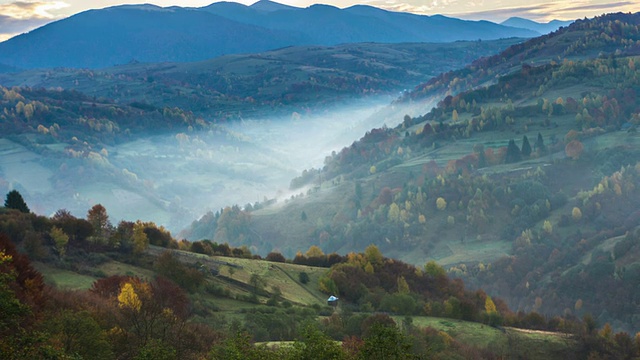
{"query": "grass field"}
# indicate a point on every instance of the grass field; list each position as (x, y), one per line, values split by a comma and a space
(64, 279)
(235, 275)
(118, 268)
(511, 342)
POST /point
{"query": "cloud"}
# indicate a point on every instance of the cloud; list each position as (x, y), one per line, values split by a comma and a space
(30, 10)
(488, 10)
(551, 11)
(21, 16)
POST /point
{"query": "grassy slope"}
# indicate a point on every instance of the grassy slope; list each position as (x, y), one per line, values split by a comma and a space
(509, 341)
(235, 275)
(506, 341)
(65, 279)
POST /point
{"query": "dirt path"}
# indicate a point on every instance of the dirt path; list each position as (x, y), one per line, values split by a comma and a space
(541, 332)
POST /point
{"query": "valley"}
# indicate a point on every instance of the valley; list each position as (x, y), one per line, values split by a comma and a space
(362, 197)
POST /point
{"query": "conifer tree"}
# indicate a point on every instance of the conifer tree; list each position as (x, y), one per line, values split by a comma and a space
(15, 201)
(526, 147)
(513, 152)
(540, 145)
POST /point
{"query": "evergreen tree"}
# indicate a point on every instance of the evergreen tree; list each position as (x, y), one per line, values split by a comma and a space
(540, 145)
(526, 147)
(482, 159)
(15, 201)
(513, 152)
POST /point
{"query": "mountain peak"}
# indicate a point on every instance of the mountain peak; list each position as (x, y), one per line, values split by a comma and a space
(144, 7)
(269, 6)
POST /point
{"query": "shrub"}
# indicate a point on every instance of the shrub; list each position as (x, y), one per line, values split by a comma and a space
(303, 277)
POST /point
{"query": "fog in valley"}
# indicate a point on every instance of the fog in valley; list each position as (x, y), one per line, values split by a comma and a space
(174, 179)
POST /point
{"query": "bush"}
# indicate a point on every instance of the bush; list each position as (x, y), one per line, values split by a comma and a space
(303, 277)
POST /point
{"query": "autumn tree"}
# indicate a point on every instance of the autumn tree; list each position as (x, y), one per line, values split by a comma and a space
(576, 213)
(275, 257)
(60, 239)
(11, 309)
(314, 252)
(187, 277)
(78, 230)
(99, 220)
(403, 286)
(394, 213)
(139, 238)
(373, 255)
(21, 303)
(574, 149)
(489, 305)
(15, 201)
(128, 298)
(434, 270)
(152, 314)
(493, 318)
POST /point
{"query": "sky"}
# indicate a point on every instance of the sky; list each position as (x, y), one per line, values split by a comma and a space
(21, 16)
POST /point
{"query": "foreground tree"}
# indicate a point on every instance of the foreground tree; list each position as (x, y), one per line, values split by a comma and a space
(15, 201)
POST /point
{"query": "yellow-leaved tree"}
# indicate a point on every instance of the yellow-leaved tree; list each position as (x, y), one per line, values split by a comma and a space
(576, 214)
(314, 252)
(489, 306)
(373, 255)
(140, 239)
(60, 239)
(403, 286)
(128, 299)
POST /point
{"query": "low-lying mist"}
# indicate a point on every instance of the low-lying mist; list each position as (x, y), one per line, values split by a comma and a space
(176, 178)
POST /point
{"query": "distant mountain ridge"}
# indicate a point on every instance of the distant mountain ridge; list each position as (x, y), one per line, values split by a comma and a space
(542, 28)
(148, 33)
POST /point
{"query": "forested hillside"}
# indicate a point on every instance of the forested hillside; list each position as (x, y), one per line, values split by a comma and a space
(589, 38)
(303, 79)
(92, 289)
(526, 186)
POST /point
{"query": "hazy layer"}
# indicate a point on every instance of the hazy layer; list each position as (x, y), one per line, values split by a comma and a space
(175, 178)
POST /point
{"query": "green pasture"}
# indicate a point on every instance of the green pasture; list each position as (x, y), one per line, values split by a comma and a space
(64, 279)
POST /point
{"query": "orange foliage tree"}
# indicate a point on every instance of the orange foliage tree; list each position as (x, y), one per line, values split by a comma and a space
(574, 149)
